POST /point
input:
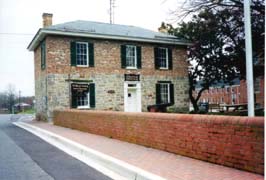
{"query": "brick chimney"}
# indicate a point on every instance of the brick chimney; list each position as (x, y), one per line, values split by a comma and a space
(47, 19)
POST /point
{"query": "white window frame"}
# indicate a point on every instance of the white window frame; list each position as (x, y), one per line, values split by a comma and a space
(166, 58)
(168, 92)
(135, 57)
(85, 106)
(87, 54)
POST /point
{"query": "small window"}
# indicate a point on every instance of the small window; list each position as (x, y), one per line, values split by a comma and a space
(43, 55)
(81, 95)
(163, 57)
(83, 100)
(131, 56)
(82, 53)
(227, 89)
(257, 85)
(165, 92)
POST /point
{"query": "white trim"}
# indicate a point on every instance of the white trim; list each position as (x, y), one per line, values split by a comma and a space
(82, 65)
(87, 106)
(43, 32)
(83, 107)
(168, 92)
(135, 57)
(166, 58)
(87, 54)
(131, 68)
(88, 96)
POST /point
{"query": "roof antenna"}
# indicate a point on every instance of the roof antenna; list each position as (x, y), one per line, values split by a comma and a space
(112, 11)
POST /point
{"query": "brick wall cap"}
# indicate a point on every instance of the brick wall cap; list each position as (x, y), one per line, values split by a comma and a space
(207, 119)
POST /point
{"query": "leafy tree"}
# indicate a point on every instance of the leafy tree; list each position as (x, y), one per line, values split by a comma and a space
(217, 33)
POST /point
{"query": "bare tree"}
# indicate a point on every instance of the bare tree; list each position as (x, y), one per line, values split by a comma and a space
(11, 96)
(191, 7)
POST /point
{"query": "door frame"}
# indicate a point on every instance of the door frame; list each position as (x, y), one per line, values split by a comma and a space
(138, 91)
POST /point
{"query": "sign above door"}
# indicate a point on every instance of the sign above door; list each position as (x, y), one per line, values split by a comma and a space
(132, 77)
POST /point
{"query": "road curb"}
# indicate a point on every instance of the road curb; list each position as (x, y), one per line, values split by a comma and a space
(111, 167)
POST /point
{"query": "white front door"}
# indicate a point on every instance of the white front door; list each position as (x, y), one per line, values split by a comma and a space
(132, 97)
(132, 100)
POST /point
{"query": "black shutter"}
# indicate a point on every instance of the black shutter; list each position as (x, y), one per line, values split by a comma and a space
(172, 97)
(170, 61)
(123, 56)
(43, 55)
(73, 53)
(92, 95)
(156, 59)
(138, 57)
(158, 94)
(74, 103)
(91, 54)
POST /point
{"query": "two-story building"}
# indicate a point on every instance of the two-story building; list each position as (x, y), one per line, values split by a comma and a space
(233, 93)
(92, 65)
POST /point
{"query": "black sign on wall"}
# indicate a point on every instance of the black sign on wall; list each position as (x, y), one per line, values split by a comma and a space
(132, 77)
(79, 88)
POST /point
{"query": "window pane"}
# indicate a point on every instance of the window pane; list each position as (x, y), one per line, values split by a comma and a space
(162, 52)
(82, 100)
(130, 56)
(164, 93)
(82, 53)
(257, 84)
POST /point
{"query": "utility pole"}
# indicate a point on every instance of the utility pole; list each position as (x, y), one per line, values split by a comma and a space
(112, 11)
(249, 57)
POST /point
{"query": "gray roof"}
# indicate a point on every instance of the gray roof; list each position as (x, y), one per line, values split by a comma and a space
(106, 31)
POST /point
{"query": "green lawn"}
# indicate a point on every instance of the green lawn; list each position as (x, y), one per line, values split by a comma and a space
(28, 111)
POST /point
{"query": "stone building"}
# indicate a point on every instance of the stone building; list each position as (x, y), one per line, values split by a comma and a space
(92, 65)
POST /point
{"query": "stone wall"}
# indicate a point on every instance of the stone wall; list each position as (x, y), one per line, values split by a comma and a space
(57, 92)
(236, 142)
(107, 74)
(110, 91)
(40, 86)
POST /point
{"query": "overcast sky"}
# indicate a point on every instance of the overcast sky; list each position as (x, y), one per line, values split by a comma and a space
(21, 19)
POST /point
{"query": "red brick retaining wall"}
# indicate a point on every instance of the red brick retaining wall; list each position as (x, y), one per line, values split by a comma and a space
(231, 141)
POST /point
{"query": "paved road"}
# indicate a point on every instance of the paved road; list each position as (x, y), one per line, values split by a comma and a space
(24, 156)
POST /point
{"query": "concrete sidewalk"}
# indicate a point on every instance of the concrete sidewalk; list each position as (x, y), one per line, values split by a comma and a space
(163, 164)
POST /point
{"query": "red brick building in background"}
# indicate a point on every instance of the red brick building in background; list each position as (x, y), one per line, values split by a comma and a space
(235, 93)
